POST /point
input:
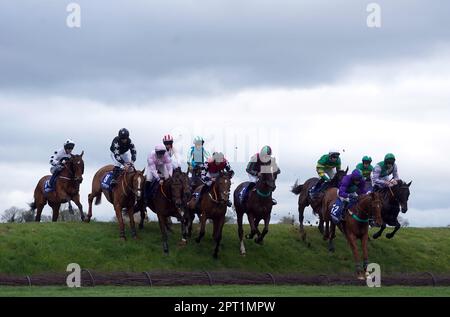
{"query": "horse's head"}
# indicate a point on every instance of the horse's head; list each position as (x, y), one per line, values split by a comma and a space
(266, 182)
(138, 182)
(401, 194)
(223, 187)
(176, 184)
(76, 167)
(337, 178)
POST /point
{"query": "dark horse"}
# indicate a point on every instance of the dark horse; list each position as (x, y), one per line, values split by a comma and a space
(169, 200)
(129, 188)
(395, 199)
(355, 225)
(304, 199)
(195, 182)
(67, 189)
(213, 205)
(257, 206)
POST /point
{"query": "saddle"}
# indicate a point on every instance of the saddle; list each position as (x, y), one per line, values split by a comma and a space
(106, 181)
(243, 194)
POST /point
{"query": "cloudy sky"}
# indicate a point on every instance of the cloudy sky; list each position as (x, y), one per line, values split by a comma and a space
(302, 76)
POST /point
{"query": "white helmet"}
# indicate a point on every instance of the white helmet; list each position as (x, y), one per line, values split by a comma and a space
(69, 144)
(218, 157)
(160, 149)
(334, 152)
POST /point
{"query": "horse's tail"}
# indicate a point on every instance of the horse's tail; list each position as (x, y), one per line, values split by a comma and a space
(98, 199)
(32, 206)
(297, 189)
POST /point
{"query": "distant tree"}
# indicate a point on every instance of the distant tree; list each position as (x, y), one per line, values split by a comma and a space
(11, 214)
(287, 220)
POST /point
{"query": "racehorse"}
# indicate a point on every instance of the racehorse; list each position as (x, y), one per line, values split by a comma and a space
(128, 189)
(169, 200)
(258, 206)
(213, 205)
(195, 182)
(67, 189)
(395, 199)
(304, 199)
(355, 224)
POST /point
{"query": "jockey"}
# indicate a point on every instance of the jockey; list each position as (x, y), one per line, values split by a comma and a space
(213, 167)
(159, 167)
(366, 167)
(262, 162)
(58, 159)
(326, 168)
(197, 155)
(168, 143)
(123, 153)
(350, 188)
(383, 170)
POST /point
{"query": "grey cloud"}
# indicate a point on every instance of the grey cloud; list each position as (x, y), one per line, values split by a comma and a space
(144, 50)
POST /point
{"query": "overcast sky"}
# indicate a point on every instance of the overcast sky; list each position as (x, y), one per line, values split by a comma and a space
(302, 76)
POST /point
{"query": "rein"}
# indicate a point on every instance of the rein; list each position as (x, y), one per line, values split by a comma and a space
(215, 194)
(265, 195)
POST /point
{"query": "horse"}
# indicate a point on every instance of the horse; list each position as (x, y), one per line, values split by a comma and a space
(67, 189)
(213, 205)
(258, 206)
(355, 225)
(195, 182)
(128, 189)
(304, 199)
(169, 200)
(395, 199)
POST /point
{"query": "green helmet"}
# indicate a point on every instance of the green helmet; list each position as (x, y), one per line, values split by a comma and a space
(389, 158)
(266, 151)
(367, 159)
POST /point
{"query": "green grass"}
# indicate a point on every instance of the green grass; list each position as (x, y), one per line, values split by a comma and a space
(33, 248)
(227, 291)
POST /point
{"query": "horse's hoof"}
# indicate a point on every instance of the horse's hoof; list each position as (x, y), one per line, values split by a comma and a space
(182, 243)
(376, 236)
(141, 227)
(197, 240)
(331, 250)
(243, 254)
(389, 236)
(258, 241)
(247, 236)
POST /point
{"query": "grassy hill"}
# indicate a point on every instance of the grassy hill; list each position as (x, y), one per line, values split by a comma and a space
(33, 248)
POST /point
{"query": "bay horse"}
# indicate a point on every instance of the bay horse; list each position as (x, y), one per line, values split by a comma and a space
(355, 224)
(128, 189)
(395, 199)
(67, 189)
(169, 200)
(304, 199)
(257, 206)
(213, 205)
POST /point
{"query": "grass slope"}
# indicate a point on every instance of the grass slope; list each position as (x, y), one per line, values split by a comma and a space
(48, 247)
(227, 291)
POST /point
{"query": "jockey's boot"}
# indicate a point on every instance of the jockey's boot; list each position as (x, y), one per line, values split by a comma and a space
(229, 203)
(147, 191)
(274, 202)
(315, 190)
(54, 177)
(115, 175)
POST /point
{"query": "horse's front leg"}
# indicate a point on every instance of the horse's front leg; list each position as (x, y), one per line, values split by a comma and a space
(241, 233)
(55, 209)
(253, 229)
(301, 218)
(260, 239)
(397, 227)
(380, 232)
(163, 229)
(365, 250)
(76, 200)
(352, 242)
(331, 247)
(118, 210)
(130, 211)
(201, 234)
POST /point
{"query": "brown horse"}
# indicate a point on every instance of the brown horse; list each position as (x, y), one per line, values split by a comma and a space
(67, 189)
(129, 188)
(355, 225)
(257, 206)
(213, 205)
(304, 199)
(169, 200)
